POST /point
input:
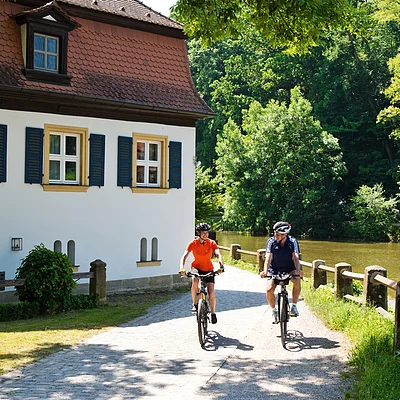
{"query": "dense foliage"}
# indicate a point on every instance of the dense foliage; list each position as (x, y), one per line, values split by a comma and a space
(48, 279)
(295, 24)
(283, 163)
(348, 83)
(207, 194)
(16, 311)
(374, 214)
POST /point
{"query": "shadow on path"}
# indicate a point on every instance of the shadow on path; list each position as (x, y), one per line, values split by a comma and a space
(180, 306)
(105, 372)
(215, 341)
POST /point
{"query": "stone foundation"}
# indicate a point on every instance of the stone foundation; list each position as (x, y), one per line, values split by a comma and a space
(165, 282)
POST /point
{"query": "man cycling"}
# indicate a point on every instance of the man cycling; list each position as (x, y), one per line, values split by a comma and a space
(282, 255)
(202, 249)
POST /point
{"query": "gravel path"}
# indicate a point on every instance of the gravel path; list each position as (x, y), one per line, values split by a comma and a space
(157, 356)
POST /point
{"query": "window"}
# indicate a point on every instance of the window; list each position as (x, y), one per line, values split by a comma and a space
(44, 33)
(143, 249)
(46, 49)
(148, 167)
(71, 251)
(144, 262)
(57, 246)
(154, 249)
(59, 158)
(149, 163)
(65, 156)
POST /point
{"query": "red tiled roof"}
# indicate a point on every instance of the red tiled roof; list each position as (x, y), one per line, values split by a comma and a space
(111, 63)
(133, 9)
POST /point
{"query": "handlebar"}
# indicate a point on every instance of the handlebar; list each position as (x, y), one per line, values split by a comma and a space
(204, 276)
(283, 276)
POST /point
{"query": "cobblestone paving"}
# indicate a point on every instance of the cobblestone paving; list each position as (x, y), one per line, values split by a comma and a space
(158, 356)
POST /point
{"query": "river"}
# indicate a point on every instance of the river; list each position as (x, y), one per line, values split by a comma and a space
(358, 255)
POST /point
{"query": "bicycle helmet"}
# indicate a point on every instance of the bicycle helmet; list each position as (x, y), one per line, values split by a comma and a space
(202, 226)
(282, 227)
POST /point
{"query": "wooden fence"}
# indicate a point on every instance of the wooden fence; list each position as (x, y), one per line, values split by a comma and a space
(375, 284)
(96, 276)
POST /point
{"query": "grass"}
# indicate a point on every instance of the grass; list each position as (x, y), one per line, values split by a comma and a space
(375, 368)
(26, 341)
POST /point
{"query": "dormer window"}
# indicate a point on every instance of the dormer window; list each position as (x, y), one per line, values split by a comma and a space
(44, 34)
(46, 52)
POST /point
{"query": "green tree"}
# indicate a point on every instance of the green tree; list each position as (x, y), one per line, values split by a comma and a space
(282, 166)
(208, 197)
(292, 23)
(374, 214)
(343, 78)
(389, 11)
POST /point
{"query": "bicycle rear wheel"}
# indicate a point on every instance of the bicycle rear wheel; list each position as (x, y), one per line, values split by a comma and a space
(283, 316)
(202, 321)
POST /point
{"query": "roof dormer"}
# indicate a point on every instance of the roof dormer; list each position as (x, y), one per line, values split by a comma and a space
(44, 33)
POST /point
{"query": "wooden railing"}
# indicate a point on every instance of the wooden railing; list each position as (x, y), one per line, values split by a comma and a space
(96, 276)
(375, 284)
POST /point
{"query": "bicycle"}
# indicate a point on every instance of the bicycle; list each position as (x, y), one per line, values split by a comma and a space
(282, 280)
(203, 308)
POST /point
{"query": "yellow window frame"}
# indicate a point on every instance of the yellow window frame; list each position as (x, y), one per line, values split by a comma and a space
(84, 181)
(137, 137)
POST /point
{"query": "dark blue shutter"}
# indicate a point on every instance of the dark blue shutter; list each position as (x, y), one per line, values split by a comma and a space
(3, 153)
(124, 177)
(175, 165)
(34, 155)
(97, 159)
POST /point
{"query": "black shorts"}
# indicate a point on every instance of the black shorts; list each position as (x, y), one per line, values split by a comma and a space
(210, 279)
(276, 271)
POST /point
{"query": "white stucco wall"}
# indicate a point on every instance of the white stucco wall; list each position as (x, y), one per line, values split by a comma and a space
(106, 223)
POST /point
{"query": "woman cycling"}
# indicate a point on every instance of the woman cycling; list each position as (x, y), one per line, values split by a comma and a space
(202, 249)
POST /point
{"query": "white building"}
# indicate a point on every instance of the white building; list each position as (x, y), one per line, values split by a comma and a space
(97, 137)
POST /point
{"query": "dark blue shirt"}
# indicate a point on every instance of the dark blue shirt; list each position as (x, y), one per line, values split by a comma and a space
(282, 260)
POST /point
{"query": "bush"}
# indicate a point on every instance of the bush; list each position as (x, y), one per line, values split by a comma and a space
(374, 214)
(84, 301)
(48, 280)
(27, 310)
(15, 311)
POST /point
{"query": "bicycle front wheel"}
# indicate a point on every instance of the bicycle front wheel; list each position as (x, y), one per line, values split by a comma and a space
(283, 316)
(202, 321)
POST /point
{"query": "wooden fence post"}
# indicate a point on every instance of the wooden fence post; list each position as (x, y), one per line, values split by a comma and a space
(97, 284)
(318, 276)
(234, 251)
(373, 292)
(261, 259)
(343, 285)
(396, 342)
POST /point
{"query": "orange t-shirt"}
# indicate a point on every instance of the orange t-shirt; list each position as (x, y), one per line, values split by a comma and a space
(202, 254)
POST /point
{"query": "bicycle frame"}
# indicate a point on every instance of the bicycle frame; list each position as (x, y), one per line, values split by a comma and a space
(203, 308)
(282, 280)
(283, 309)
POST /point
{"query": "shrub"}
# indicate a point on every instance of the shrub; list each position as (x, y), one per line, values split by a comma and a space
(84, 301)
(15, 311)
(374, 214)
(48, 279)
